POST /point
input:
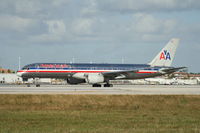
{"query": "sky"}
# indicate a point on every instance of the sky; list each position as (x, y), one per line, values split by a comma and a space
(98, 31)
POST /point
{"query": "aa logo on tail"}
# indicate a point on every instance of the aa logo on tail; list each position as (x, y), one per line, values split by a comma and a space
(165, 55)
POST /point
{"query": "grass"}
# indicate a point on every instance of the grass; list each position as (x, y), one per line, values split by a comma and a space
(99, 114)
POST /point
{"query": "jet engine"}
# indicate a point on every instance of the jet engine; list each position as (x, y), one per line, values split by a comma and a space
(74, 81)
(94, 78)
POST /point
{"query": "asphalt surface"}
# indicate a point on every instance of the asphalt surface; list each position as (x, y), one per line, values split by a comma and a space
(116, 90)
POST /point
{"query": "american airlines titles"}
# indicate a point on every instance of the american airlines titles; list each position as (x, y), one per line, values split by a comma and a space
(54, 66)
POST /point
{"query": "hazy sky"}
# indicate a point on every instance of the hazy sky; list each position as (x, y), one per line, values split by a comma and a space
(100, 31)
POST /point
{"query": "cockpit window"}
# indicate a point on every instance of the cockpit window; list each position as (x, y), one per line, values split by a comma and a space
(27, 67)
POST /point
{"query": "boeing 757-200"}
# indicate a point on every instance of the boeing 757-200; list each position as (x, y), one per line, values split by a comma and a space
(96, 74)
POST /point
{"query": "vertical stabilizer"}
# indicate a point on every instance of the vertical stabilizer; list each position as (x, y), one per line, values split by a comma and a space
(166, 55)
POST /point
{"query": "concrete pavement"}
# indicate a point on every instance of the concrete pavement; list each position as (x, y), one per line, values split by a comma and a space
(116, 90)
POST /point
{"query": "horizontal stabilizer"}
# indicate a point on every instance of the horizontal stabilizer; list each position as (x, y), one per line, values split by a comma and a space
(171, 70)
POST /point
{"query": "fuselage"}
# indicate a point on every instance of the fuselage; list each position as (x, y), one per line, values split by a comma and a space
(65, 70)
(101, 73)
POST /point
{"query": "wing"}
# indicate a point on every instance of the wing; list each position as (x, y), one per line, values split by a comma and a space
(119, 74)
(133, 73)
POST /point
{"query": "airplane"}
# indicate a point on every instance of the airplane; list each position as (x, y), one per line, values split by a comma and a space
(97, 74)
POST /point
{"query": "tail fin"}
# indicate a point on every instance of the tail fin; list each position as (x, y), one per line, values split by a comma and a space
(166, 55)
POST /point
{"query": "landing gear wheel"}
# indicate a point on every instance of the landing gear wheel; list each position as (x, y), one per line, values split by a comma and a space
(96, 85)
(37, 85)
(36, 81)
(108, 85)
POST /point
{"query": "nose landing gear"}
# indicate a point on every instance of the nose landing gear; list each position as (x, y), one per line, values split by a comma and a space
(36, 82)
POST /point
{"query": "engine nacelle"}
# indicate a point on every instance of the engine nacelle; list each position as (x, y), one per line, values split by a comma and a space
(79, 75)
(93, 78)
(72, 80)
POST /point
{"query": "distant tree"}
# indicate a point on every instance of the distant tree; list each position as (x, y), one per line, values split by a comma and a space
(2, 71)
(9, 71)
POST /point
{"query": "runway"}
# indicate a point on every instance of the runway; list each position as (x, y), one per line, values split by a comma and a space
(116, 90)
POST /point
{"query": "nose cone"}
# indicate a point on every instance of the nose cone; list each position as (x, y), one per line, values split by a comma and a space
(19, 73)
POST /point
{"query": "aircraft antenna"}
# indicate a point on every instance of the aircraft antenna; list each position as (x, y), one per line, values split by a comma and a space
(19, 63)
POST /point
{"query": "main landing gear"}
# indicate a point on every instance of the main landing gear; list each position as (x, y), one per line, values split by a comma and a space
(105, 85)
(37, 85)
(108, 85)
